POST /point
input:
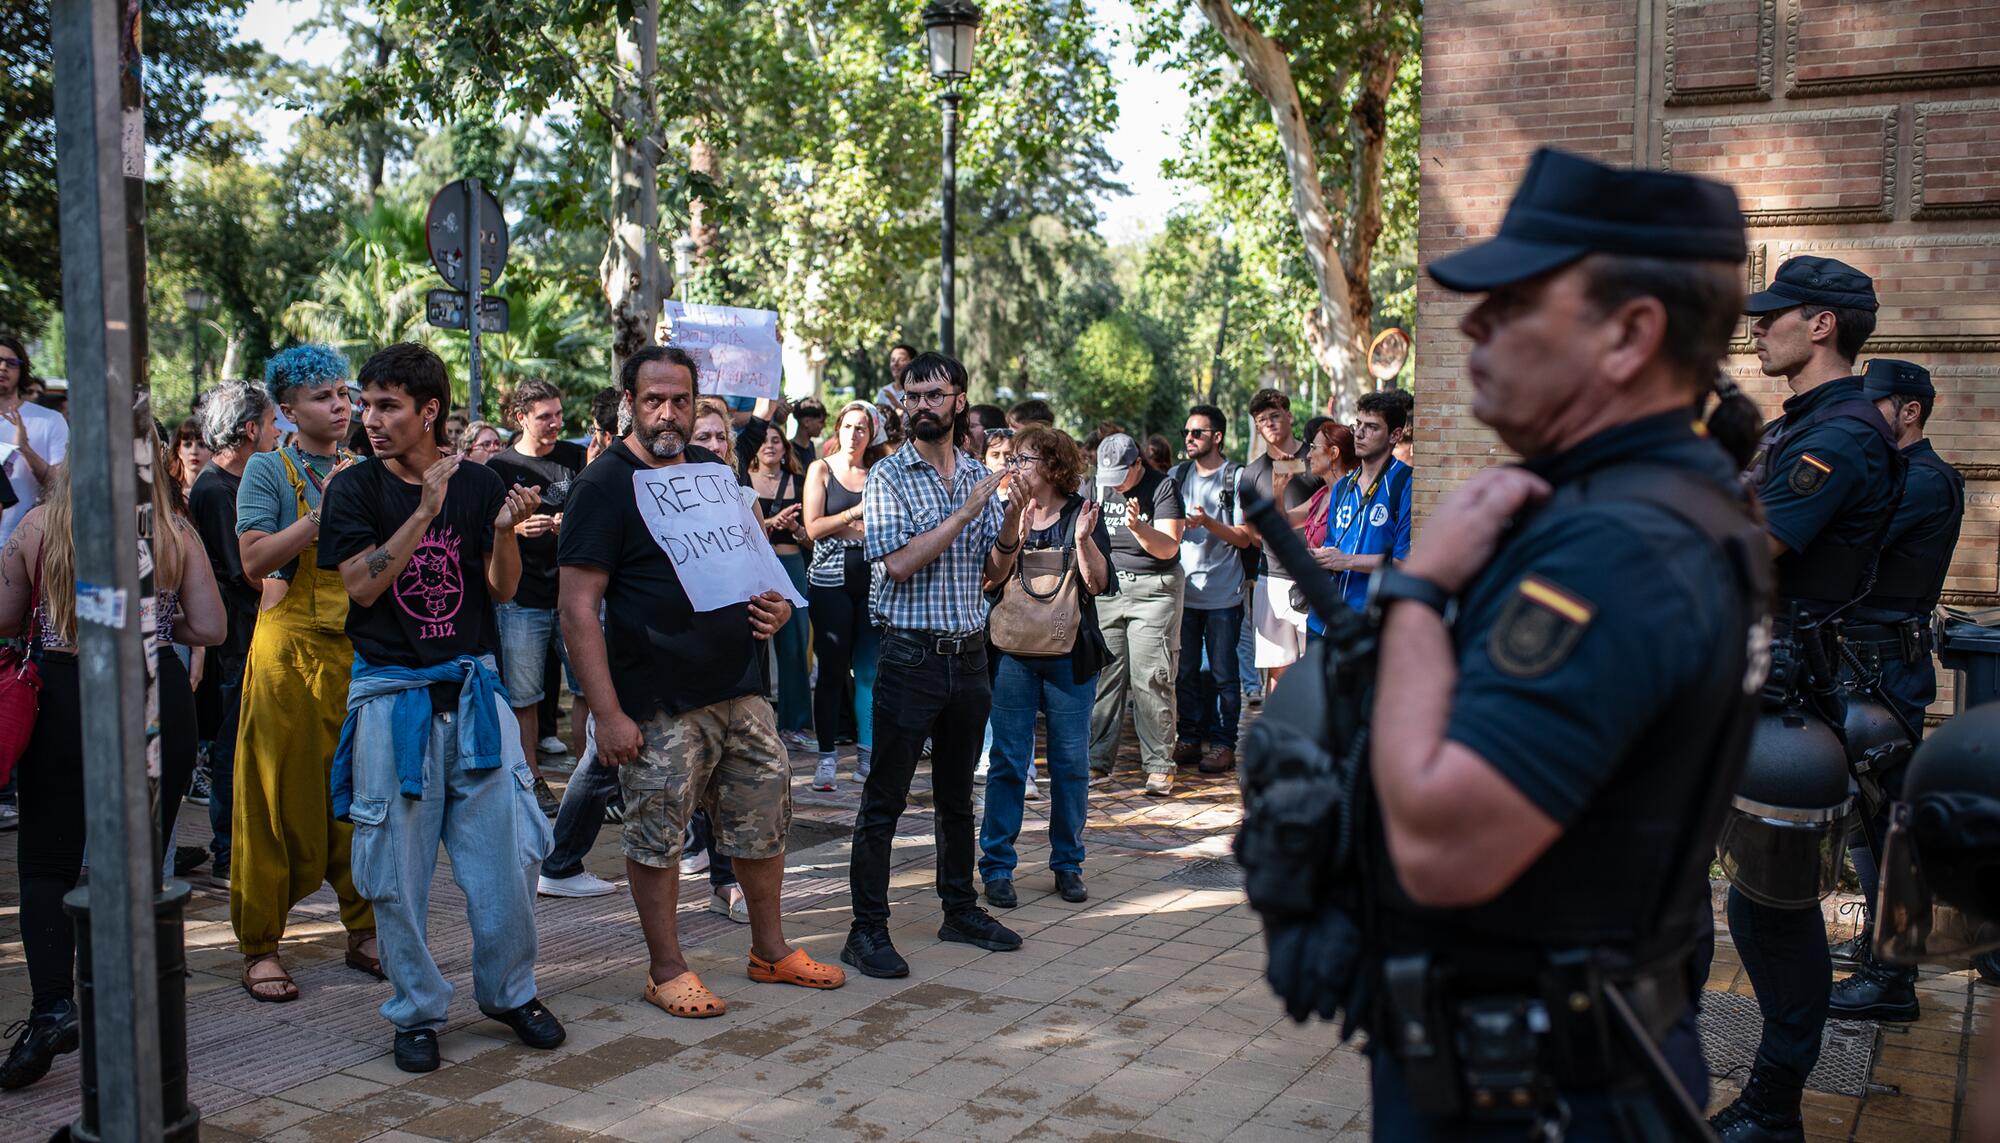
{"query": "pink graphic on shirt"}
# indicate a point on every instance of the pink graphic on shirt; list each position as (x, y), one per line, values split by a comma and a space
(430, 588)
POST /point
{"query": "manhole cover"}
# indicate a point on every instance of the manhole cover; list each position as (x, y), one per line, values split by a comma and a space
(1731, 1025)
(805, 834)
(1208, 873)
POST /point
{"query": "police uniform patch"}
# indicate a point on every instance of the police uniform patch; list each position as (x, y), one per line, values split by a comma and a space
(1538, 628)
(1809, 474)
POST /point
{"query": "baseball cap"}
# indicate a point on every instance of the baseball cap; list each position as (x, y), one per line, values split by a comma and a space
(1887, 377)
(1116, 454)
(1811, 280)
(1568, 206)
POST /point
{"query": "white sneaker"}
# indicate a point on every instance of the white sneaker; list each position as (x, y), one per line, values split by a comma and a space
(823, 774)
(1160, 785)
(729, 902)
(864, 761)
(585, 884)
(694, 863)
(550, 744)
(1034, 791)
(979, 771)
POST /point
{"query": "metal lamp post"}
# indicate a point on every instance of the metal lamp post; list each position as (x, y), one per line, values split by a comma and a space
(196, 301)
(951, 27)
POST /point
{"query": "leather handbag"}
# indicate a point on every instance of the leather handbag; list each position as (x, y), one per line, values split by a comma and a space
(1041, 607)
(20, 696)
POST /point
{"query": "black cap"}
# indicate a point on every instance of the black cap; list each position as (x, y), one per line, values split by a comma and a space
(1810, 280)
(1887, 377)
(1568, 206)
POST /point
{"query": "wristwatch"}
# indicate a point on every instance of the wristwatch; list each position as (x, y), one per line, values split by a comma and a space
(1387, 584)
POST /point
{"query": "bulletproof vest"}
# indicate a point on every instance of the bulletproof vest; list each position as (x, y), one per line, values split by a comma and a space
(1911, 575)
(1833, 569)
(1630, 873)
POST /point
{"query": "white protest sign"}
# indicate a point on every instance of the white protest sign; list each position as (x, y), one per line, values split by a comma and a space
(737, 349)
(698, 517)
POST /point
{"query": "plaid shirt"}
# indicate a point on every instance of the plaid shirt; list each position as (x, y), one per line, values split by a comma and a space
(904, 499)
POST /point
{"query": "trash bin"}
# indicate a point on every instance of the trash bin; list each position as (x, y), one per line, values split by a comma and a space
(1969, 644)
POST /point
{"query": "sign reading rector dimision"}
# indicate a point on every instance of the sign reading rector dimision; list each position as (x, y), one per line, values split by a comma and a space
(736, 349)
(697, 514)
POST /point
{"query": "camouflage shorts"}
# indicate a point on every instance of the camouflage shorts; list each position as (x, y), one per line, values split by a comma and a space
(726, 759)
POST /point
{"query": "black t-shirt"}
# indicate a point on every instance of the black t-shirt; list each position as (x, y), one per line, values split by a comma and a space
(1155, 498)
(212, 504)
(439, 607)
(1257, 474)
(551, 476)
(664, 655)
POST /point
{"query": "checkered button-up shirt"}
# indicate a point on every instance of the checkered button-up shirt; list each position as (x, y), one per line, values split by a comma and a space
(905, 498)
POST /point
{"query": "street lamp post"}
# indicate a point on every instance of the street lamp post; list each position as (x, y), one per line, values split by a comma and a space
(196, 301)
(951, 27)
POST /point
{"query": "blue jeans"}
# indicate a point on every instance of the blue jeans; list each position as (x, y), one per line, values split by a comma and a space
(526, 634)
(497, 837)
(1209, 691)
(1246, 652)
(582, 813)
(1022, 688)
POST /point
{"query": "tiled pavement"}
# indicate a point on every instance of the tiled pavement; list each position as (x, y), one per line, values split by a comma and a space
(1141, 1015)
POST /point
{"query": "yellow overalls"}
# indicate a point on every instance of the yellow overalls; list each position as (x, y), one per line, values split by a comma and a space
(294, 700)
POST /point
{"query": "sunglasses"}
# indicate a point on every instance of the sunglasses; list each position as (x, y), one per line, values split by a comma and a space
(1198, 432)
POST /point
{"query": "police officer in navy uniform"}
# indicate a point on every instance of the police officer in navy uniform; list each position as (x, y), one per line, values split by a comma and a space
(1890, 635)
(1573, 643)
(1829, 475)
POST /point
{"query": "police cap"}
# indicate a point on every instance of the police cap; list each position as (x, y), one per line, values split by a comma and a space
(1811, 280)
(1568, 206)
(1887, 377)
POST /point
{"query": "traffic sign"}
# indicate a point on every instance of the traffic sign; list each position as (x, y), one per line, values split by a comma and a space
(446, 234)
(446, 309)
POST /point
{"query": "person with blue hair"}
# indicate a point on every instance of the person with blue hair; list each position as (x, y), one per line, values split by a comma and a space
(294, 692)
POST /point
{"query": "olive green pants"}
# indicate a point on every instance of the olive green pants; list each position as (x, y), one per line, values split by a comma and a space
(1142, 625)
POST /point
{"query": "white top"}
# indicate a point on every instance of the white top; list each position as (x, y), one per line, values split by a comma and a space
(48, 435)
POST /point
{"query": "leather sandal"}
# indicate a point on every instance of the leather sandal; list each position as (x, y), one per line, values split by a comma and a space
(685, 996)
(362, 961)
(266, 987)
(796, 968)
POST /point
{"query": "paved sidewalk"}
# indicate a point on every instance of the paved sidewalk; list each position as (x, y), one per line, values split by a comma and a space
(1141, 1015)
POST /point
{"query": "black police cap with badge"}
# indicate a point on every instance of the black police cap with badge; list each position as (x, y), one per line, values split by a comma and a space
(1887, 377)
(1308, 805)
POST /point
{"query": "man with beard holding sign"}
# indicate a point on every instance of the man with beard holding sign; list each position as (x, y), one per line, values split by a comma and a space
(678, 693)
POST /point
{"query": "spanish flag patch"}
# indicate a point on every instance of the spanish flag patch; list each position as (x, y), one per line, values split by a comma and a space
(1538, 628)
(1809, 474)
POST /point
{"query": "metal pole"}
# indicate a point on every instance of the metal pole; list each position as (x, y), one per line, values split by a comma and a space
(194, 340)
(1222, 328)
(947, 295)
(472, 197)
(100, 170)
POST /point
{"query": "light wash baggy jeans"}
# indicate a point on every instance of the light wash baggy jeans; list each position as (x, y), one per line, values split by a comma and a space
(493, 829)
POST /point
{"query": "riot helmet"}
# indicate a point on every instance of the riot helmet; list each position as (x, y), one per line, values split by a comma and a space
(1781, 840)
(1877, 743)
(1940, 895)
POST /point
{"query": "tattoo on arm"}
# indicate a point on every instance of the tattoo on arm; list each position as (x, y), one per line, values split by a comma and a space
(377, 560)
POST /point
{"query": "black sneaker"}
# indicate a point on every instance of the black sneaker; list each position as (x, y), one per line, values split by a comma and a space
(1000, 893)
(869, 951)
(533, 1023)
(1070, 885)
(975, 927)
(43, 1037)
(188, 858)
(417, 1050)
(1875, 993)
(1760, 1115)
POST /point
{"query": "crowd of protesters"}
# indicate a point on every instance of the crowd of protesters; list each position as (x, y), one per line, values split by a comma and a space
(370, 606)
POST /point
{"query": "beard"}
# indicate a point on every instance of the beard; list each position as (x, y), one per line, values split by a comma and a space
(664, 442)
(930, 428)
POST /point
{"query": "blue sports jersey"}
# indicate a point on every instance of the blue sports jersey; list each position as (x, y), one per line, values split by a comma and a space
(1359, 522)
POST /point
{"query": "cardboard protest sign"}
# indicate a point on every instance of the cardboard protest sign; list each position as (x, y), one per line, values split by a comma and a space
(698, 517)
(736, 349)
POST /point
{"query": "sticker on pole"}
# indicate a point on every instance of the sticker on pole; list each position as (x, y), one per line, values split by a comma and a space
(697, 515)
(741, 347)
(100, 604)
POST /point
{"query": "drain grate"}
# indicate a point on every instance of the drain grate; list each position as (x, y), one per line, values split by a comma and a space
(1731, 1025)
(1208, 873)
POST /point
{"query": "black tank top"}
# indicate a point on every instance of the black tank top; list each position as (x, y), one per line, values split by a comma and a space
(772, 505)
(838, 498)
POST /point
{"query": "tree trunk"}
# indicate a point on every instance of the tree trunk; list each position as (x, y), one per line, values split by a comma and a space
(375, 135)
(702, 161)
(232, 356)
(634, 276)
(1330, 329)
(1367, 137)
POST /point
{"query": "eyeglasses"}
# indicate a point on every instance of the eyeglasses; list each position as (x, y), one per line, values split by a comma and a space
(1363, 428)
(1198, 432)
(1022, 459)
(10, 363)
(1270, 420)
(935, 399)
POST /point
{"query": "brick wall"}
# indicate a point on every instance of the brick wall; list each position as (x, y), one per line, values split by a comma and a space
(1861, 129)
